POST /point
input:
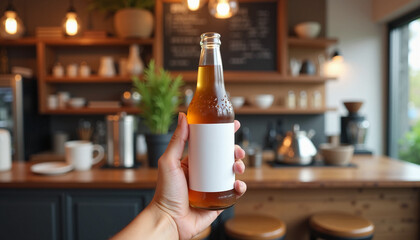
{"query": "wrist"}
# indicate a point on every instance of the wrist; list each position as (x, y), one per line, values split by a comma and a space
(164, 222)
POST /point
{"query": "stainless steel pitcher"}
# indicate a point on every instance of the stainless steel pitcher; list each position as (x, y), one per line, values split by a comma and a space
(120, 140)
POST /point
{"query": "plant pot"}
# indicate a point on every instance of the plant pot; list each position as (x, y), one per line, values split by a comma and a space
(133, 22)
(156, 146)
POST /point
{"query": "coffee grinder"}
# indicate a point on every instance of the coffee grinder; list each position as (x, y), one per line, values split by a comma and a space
(354, 128)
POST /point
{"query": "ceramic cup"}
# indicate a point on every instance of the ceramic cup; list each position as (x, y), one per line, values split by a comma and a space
(84, 70)
(72, 70)
(58, 70)
(63, 98)
(106, 67)
(80, 154)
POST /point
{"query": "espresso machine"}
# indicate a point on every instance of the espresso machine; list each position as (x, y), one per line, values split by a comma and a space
(354, 128)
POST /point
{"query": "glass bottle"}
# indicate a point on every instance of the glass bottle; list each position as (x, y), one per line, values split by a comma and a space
(211, 141)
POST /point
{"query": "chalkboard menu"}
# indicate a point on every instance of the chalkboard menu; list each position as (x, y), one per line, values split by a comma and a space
(249, 39)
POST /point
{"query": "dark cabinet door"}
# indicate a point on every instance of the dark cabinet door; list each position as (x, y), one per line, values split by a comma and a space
(30, 215)
(100, 214)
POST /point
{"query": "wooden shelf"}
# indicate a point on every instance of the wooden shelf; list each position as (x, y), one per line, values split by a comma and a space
(76, 41)
(281, 110)
(90, 79)
(257, 77)
(239, 111)
(311, 43)
(96, 41)
(88, 111)
(18, 42)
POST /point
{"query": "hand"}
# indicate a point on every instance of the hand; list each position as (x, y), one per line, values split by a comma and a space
(171, 194)
(169, 215)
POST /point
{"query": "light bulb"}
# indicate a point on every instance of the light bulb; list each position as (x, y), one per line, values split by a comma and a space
(223, 8)
(338, 58)
(11, 24)
(194, 5)
(71, 24)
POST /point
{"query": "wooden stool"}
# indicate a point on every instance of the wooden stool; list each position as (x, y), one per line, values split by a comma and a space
(203, 235)
(340, 226)
(255, 227)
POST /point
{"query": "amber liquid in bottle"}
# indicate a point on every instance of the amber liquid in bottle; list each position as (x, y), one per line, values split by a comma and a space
(210, 105)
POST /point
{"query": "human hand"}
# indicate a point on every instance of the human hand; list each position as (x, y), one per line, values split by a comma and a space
(171, 195)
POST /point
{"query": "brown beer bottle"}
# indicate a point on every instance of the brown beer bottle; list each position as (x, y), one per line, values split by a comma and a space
(211, 141)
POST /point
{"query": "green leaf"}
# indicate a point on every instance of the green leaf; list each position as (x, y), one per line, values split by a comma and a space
(158, 89)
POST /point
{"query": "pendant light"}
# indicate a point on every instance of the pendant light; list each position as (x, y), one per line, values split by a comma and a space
(71, 23)
(11, 25)
(194, 5)
(223, 8)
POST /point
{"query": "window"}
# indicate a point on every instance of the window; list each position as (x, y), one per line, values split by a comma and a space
(404, 88)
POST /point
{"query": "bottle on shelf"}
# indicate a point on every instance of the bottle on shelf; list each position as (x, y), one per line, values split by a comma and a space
(291, 100)
(303, 99)
(316, 99)
(211, 140)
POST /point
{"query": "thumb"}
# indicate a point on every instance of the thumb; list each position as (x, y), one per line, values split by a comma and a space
(179, 138)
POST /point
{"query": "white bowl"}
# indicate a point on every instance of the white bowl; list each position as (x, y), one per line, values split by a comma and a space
(264, 100)
(237, 102)
(77, 102)
(308, 29)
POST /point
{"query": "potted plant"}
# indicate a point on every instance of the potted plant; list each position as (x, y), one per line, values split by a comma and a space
(132, 18)
(159, 103)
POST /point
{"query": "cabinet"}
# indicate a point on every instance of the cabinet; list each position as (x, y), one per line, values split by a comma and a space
(80, 214)
(28, 215)
(238, 83)
(101, 214)
(68, 214)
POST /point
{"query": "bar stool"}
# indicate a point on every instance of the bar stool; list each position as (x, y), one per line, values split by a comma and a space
(340, 226)
(255, 227)
(203, 235)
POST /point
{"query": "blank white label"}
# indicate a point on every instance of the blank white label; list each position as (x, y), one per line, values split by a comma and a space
(211, 155)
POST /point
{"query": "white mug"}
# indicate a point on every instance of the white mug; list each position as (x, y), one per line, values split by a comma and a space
(80, 154)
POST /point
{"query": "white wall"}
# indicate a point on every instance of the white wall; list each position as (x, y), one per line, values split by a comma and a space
(385, 10)
(361, 42)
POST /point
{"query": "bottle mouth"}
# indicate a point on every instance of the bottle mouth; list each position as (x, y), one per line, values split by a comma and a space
(210, 38)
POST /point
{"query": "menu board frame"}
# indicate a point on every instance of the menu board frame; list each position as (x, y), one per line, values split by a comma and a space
(281, 40)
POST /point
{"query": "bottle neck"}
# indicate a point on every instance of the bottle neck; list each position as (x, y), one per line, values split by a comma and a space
(210, 68)
(210, 55)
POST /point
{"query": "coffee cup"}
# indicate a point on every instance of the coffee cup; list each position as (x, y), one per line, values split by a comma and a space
(80, 154)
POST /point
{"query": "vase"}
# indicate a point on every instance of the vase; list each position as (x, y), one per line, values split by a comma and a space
(156, 146)
(133, 22)
(135, 65)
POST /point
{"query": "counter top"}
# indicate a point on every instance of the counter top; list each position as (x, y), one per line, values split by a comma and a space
(370, 172)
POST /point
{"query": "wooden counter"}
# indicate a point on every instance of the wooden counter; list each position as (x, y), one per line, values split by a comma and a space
(384, 190)
(370, 172)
